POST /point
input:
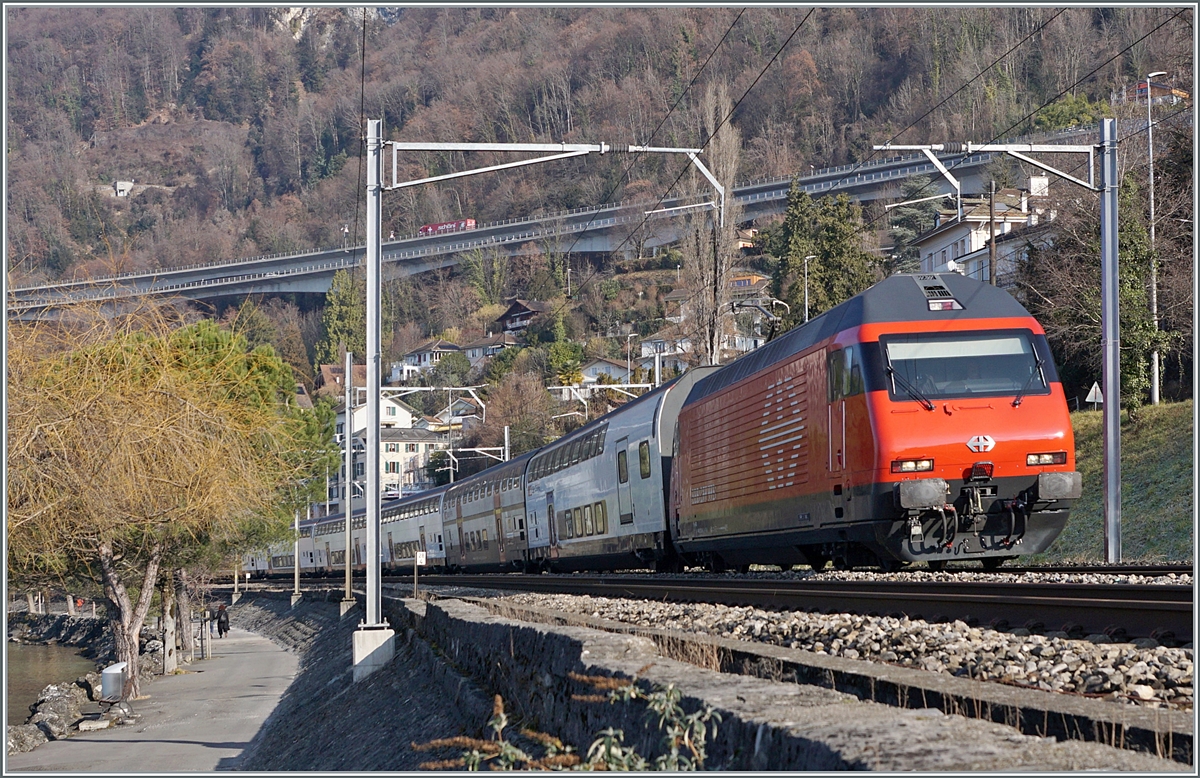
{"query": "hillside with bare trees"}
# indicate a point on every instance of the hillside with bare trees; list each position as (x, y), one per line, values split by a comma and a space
(240, 127)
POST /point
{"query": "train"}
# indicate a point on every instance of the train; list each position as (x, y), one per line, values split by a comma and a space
(921, 421)
(443, 227)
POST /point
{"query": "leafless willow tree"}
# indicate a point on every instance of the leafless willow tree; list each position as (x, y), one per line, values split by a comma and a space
(709, 243)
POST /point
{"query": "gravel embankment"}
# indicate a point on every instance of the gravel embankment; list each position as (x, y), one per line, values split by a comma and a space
(1145, 673)
(325, 722)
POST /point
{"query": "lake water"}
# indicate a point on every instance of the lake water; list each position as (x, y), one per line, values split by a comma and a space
(32, 668)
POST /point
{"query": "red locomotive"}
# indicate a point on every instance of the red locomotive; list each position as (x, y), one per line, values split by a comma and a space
(921, 420)
(444, 227)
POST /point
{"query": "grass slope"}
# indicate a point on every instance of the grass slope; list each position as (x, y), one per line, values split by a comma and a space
(1157, 494)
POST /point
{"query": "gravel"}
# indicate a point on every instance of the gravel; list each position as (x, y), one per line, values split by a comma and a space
(1142, 672)
(768, 573)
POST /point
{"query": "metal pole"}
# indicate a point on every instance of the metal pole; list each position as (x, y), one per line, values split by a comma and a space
(296, 552)
(1153, 258)
(1110, 341)
(992, 231)
(374, 251)
(348, 441)
(506, 454)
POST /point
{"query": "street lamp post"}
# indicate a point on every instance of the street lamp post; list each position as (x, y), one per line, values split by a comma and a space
(810, 256)
(1153, 259)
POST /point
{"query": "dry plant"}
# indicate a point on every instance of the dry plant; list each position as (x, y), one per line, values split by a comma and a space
(138, 442)
(685, 735)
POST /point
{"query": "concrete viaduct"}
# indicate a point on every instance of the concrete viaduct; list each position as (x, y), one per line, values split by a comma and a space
(600, 229)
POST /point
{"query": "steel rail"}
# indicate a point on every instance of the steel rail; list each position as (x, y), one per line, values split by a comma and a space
(1123, 611)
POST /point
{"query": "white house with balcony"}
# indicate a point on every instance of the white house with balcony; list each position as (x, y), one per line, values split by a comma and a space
(428, 354)
(960, 244)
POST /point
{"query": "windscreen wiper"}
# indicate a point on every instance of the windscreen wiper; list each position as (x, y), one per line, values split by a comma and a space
(1037, 371)
(912, 390)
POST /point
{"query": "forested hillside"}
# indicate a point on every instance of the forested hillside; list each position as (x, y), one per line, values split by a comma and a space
(243, 124)
(240, 132)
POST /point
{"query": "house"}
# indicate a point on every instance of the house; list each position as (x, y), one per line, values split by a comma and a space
(743, 286)
(329, 379)
(392, 413)
(462, 413)
(403, 455)
(402, 372)
(428, 354)
(747, 285)
(745, 238)
(666, 342)
(618, 372)
(122, 188)
(302, 400)
(481, 350)
(520, 314)
(1160, 94)
(961, 243)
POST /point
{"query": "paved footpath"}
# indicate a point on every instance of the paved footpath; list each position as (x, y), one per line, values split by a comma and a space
(199, 721)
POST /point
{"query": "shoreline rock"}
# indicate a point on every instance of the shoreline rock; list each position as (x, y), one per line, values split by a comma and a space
(58, 711)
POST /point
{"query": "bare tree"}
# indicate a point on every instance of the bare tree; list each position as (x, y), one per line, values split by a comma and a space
(709, 242)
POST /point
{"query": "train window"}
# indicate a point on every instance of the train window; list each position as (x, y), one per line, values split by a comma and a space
(966, 364)
(852, 376)
(588, 527)
(578, 522)
(622, 467)
(644, 458)
(601, 518)
(834, 369)
(564, 520)
(576, 451)
(485, 540)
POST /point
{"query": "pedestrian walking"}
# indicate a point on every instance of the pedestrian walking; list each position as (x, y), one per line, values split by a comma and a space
(222, 621)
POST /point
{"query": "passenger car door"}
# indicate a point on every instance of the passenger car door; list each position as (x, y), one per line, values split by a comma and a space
(624, 497)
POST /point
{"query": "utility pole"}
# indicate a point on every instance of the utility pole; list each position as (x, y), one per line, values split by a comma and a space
(1110, 339)
(374, 641)
(992, 230)
(1154, 369)
(348, 503)
(1110, 327)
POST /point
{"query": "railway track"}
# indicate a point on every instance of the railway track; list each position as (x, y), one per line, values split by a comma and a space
(1122, 611)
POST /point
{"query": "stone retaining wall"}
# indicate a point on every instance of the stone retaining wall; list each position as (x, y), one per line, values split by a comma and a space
(765, 724)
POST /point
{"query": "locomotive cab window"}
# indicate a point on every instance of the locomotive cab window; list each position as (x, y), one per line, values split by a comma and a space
(644, 458)
(845, 373)
(967, 364)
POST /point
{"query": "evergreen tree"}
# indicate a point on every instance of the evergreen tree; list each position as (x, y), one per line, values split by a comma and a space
(830, 231)
(344, 321)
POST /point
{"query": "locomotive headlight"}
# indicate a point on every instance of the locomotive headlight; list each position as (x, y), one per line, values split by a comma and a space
(911, 465)
(1053, 458)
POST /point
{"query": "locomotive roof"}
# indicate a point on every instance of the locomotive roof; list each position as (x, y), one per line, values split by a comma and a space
(902, 297)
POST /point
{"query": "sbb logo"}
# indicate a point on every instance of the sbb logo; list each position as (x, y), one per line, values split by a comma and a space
(981, 443)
